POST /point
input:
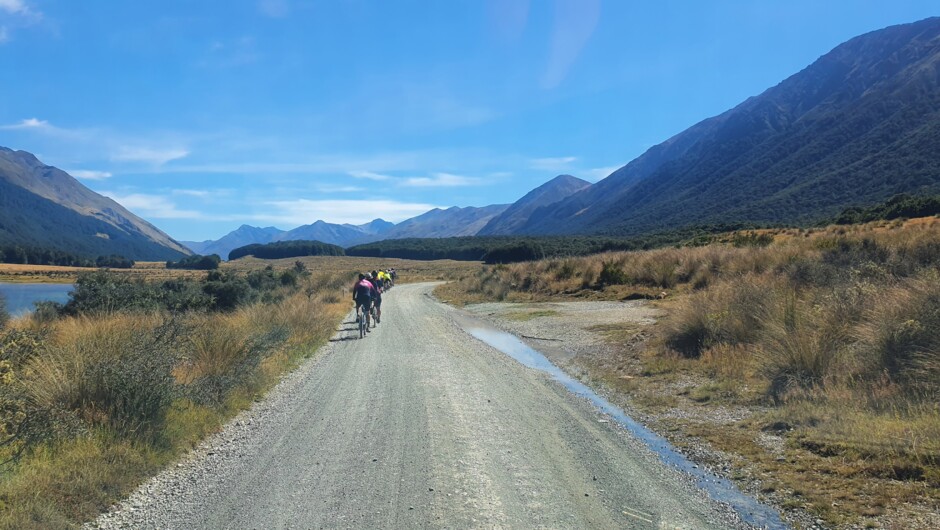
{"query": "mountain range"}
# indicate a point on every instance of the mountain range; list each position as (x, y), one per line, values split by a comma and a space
(41, 206)
(859, 125)
(450, 222)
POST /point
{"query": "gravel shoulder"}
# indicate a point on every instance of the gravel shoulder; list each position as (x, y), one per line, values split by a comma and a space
(418, 425)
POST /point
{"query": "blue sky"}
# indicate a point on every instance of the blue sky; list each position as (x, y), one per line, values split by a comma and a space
(201, 116)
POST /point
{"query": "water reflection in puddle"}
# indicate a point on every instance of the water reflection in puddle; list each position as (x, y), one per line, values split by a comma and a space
(750, 510)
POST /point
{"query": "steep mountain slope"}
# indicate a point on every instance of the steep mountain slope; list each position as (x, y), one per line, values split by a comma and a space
(45, 207)
(860, 124)
(516, 215)
(451, 222)
(243, 235)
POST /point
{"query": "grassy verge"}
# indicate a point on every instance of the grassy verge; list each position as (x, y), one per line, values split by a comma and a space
(99, 397)
(828, 340)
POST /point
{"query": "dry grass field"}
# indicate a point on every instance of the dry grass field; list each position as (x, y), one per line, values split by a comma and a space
(409, 270)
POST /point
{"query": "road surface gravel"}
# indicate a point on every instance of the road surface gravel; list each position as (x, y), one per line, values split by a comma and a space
(419, 425)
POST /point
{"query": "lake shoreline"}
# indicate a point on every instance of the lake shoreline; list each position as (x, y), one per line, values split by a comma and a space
(20, 297)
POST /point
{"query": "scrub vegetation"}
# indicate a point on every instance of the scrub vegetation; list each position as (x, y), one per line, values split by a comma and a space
(98, 394)
(831, 336)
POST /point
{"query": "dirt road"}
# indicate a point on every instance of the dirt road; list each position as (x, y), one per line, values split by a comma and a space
(419, 425)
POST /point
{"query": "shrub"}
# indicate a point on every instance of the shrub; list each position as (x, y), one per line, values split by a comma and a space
(222, 354)
(612, 273)
(289, 278)
(566, 270)
(46, 311)
(751, 239)
(102, 292)
(114, 372)
(797, 352)
(902, 334)
(851, 253)
(692, 330)
(24, 421)
(301, 269)
(228, 292)
(196, 262)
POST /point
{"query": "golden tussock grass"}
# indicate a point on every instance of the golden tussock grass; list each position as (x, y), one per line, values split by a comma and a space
(121, 394)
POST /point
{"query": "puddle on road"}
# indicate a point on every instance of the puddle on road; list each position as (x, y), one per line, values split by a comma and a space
(749, 509)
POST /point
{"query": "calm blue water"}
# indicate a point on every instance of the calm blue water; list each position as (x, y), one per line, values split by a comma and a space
(20, 296)
(752, 511)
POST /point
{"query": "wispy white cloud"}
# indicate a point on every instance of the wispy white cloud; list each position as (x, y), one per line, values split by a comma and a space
(17, 7)
(369, 166)
(149, 155)
(327, 188)
(274, 8)
(89, 174)
(559, 163)
(28, 123)
(152, 206)
(500, 174)
(305, 211)
(369, 175)
(440, 180)
(20, 14)
(91, 145)
(192, 193)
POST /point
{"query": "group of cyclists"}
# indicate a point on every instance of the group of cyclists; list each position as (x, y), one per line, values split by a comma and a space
(367, 295)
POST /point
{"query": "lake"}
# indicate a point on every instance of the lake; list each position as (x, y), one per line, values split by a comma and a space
(20, 296)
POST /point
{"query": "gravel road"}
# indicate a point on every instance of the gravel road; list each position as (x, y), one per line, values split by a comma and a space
(418, 425)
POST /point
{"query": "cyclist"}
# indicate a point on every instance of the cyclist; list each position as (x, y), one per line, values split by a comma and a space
(362, 296)
(377, 294)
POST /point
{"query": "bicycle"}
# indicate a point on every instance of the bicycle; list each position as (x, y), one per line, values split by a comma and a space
(363, 322)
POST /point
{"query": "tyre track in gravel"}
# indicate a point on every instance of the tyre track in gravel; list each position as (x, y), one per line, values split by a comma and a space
(418, 426)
